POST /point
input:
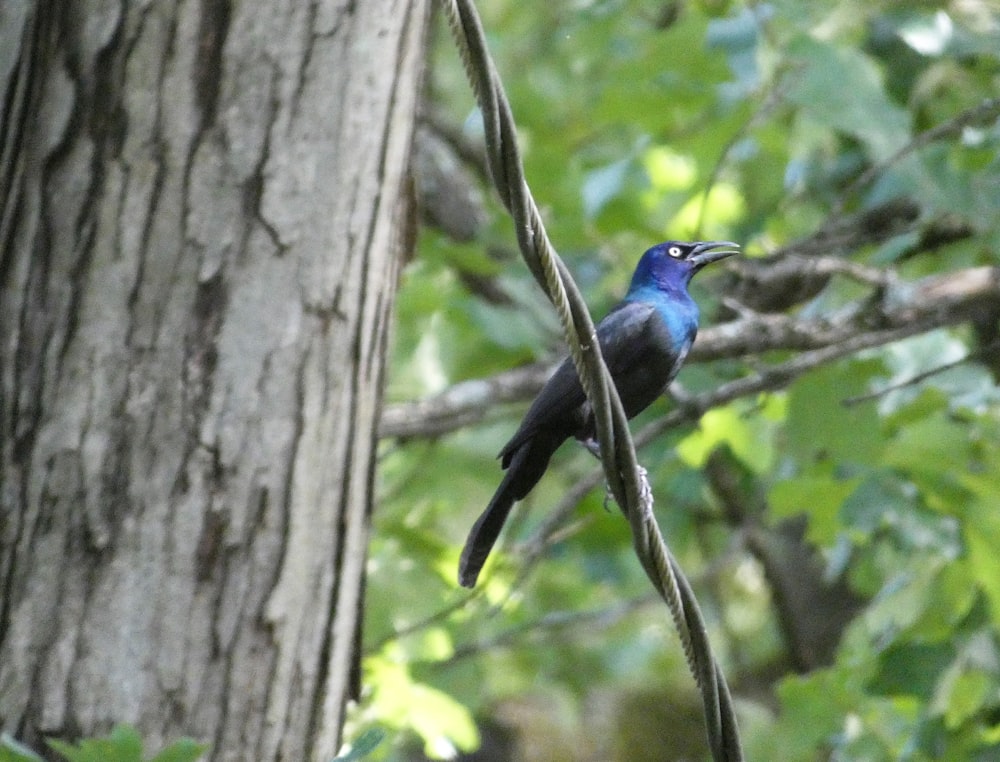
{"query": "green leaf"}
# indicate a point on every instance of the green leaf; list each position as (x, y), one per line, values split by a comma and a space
(821, 428)
(750, 437)
(721, 208)
(911, 669)
(950, 597)
(842, 88)
(935, 452)
(969, 684)
(819, 497)
(14, 751)
(364, 745)
(123, 744)
(668, 170)
(963, 694)
(907, 605)
(886, 503)
(181, 750)
(400, 701)
(812, 707)
(982, 530)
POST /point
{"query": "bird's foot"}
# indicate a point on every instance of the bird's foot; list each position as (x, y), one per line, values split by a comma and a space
(592, 446)
(645, 493)
(608, 498)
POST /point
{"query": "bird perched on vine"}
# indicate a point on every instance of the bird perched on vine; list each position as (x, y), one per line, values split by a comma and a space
(644, 341)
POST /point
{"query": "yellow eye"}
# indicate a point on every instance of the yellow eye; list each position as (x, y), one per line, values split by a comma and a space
(674, 251)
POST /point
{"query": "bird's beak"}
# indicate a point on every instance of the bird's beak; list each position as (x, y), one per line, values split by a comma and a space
(707, 252)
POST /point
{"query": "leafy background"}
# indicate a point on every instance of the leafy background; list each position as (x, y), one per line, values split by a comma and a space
(842, 528)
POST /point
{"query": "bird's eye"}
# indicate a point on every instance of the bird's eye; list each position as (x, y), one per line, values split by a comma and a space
(675, 252)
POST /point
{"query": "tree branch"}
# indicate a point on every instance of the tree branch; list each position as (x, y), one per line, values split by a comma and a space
(896, 312)
(462, 404)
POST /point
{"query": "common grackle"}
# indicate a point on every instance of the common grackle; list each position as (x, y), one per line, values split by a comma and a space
(644, 340)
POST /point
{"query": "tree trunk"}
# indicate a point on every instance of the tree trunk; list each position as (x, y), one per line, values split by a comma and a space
(202, 209)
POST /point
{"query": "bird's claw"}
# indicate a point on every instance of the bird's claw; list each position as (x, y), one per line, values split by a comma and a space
(592, 446)
(645, 492)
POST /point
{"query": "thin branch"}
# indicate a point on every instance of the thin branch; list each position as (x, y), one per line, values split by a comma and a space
(788, 277)
(430, 620)
(981, 113)
(921, 377)
(582, 621)
(462, 404)
(906, 309)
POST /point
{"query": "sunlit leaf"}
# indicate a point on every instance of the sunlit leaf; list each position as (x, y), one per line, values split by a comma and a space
(442, 723)
(722, 207)
(749, 437)
(982, 531)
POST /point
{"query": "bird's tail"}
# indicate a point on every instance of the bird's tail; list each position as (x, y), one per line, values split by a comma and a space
(526, 467)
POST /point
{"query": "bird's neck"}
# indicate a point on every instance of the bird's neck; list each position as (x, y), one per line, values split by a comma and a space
(674, 305)
(657, 292)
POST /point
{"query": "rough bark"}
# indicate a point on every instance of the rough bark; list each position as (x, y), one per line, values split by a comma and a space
(202, 206)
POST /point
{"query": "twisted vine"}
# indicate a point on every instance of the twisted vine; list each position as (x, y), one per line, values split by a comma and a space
(625, 478)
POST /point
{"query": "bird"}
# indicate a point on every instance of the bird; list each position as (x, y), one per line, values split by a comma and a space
(644, 340)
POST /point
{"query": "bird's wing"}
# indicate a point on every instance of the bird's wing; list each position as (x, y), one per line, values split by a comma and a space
(559, 405)
(624, 335)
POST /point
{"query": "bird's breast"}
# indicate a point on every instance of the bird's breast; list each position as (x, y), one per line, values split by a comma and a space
(662, 346)
(680, 321)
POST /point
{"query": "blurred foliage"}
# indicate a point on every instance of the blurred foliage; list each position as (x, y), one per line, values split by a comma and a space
(640, 121)
(122, 744)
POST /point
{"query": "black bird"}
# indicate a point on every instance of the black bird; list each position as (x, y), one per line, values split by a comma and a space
(644, 340)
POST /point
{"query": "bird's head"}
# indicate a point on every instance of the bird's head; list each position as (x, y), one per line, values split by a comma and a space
(673, 263)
